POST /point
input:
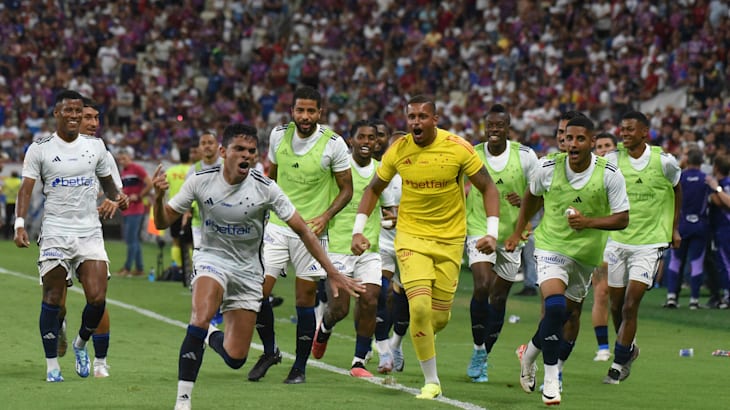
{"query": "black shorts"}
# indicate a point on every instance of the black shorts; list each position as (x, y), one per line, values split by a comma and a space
(183, 233)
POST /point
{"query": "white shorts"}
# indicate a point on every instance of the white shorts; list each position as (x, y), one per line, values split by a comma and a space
(366, 267)
(390, 263)
(241, 290)
(388, 260)
(70, 252)
(197, 236)
(575, 275)
(505, 264)
(626, 264)
(280, 249)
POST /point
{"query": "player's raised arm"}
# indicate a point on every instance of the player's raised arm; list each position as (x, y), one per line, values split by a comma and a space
(163, 213)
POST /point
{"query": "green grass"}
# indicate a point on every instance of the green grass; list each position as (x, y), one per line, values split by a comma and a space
(143, 356)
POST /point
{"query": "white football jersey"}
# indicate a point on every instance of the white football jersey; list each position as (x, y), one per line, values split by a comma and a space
(68, 172)
(233, 215)
(395, 189)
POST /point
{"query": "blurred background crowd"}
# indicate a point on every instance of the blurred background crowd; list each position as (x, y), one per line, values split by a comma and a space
(164, 71)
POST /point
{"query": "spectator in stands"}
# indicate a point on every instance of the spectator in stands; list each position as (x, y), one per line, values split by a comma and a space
(137, 184)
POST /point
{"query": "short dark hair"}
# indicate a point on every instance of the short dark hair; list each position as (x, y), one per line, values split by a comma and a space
(722, 163)
(638, 116)
(500, 109)
(360, 123)
(88, 102)
(307, 93)
(423, 99)
(695, 156)
(380, 121)
(184, 154)
(569, 115)
(234, 130)
(606, 134)
(68, 95)
(581, 121)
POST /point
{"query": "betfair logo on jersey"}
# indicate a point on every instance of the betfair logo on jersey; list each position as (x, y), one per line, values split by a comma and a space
(72, 181)
(432, 184)
(229, 229)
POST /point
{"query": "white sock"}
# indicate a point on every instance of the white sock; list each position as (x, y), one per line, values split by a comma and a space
(211, 329)
(551, 372)
(428, 367)
(52, 364)
(79, 343)
(100, 361)
(480, 347)
(561, 364)
(184, 390)
(396, 341)
(531, 353)
(383, 346)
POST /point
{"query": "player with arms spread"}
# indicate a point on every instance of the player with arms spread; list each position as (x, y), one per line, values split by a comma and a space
(228, 270)
(431, 223)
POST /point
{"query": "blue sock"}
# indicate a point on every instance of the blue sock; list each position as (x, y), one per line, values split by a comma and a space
(551, 328)
(49, 325)
(601, 337)
(401, 314)
(323, 337)
(621, 353)
(362, 346)
(90, 319)
(564, 349)
(383, 321)
(101, 345)
(479, 311)
(191, 354)
(306, 323)
(265, 327)
(215, 341)
(494, 325)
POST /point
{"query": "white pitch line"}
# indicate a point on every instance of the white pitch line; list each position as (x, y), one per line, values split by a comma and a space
(380, 381)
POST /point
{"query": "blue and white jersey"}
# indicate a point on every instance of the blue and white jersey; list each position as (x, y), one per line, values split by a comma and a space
(68, 172)
(233, 215)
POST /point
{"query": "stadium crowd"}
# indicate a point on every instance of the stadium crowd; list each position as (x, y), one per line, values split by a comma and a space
(164, 71)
